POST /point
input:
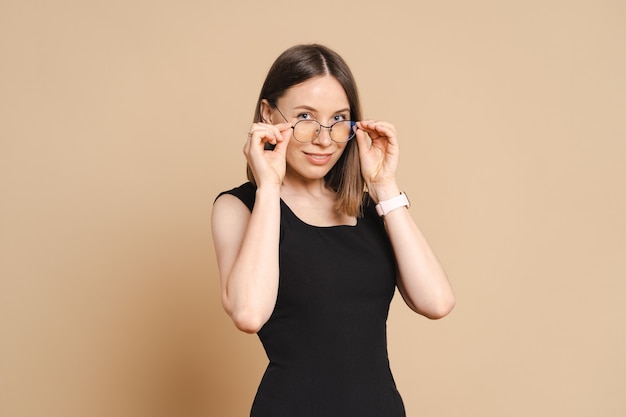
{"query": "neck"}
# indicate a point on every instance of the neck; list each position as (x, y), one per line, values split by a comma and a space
(313, 188)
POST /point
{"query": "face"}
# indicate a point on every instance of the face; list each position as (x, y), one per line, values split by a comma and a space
(322, 99)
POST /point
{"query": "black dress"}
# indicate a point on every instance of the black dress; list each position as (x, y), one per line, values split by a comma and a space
(326, 338)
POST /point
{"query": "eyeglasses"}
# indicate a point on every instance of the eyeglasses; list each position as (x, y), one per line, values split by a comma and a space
(306, 131)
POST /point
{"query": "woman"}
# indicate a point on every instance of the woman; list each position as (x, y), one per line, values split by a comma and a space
(307, 258)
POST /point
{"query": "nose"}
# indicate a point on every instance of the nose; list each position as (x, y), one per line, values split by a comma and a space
(324, 137)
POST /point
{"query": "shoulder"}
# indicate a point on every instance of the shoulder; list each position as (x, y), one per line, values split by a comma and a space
(246, 193)
(231, 211)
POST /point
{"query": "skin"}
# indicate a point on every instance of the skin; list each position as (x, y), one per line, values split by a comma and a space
(246, 243)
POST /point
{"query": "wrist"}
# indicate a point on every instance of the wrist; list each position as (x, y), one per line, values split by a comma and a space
(268, 190)
(382, 192)
(385, 207)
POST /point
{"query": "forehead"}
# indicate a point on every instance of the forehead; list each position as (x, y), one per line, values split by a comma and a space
(318, 92)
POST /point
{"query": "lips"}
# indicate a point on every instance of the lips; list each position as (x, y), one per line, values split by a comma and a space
(318, 158)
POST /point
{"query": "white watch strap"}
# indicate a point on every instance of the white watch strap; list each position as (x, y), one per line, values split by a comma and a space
(385, 207)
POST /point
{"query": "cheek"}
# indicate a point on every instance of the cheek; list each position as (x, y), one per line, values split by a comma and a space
(340, 152)
(342, 149)
(292, 151)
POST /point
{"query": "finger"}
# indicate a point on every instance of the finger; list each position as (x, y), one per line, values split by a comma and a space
(368, 126)
(378, 129)
(283, 126)
(361, 141)
(375, 125)
(282, 130)
(259, 135)
(285, 135)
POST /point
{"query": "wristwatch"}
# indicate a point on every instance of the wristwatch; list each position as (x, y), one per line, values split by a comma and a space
(385, 207)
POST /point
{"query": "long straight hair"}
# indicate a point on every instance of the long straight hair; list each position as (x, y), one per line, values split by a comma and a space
(297, 65)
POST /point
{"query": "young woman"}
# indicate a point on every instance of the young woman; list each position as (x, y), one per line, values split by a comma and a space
(311, 249)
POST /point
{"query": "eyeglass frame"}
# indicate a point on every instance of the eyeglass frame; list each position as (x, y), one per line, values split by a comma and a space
(330, 128)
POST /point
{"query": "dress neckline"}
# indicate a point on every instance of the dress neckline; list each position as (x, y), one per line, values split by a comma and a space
(334, 226)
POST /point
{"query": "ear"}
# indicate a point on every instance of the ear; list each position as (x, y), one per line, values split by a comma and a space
(265, 111)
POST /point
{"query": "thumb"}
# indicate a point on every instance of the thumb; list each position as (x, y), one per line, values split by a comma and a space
(286, 132)
(361, 140)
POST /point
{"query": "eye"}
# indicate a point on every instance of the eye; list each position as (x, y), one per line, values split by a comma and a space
(305, 116)
(340, 118)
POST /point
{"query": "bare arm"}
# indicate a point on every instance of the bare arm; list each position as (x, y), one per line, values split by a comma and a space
(246, 245)
(422, 280)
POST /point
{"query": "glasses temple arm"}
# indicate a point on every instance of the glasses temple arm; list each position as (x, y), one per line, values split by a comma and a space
(281, 113)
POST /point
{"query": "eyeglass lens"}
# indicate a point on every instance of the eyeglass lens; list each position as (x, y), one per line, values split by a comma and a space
(308, 130)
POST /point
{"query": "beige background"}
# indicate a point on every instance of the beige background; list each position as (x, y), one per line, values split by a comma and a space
(120, 121)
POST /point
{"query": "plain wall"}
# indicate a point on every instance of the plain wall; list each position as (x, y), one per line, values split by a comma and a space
(120, 121)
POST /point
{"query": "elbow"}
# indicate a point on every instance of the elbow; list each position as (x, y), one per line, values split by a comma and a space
(245, 320)
(248, 315)
(248, 323)
(435, 306)
(441, 309)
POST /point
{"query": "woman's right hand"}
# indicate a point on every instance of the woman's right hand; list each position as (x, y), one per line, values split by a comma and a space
(268, 166)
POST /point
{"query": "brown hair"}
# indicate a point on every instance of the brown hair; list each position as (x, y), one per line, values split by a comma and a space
(296, 65)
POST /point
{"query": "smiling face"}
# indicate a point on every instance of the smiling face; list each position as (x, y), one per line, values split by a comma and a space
(322, 99)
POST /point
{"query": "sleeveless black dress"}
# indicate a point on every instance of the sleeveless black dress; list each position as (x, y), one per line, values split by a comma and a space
(326, 338)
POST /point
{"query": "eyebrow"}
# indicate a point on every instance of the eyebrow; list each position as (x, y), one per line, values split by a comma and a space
(309, 108)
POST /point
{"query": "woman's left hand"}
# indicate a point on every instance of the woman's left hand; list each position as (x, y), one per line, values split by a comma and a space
(379, 159)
